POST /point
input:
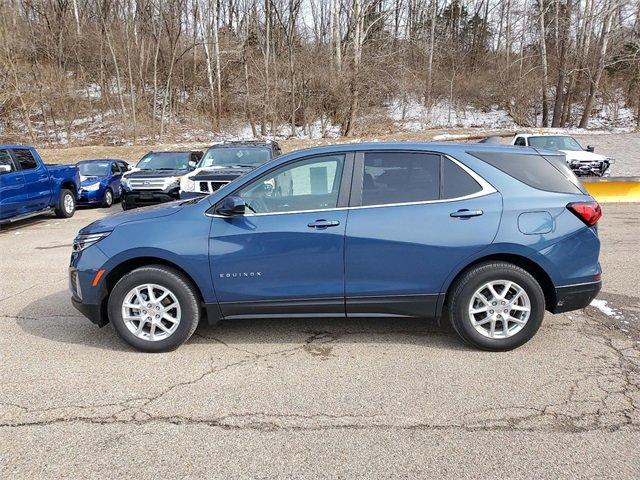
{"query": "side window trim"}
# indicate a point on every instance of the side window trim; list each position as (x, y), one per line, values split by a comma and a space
(358, 179)
(344, 191)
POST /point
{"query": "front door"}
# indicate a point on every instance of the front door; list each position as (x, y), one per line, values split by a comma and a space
(36, 179)
(285, 256)
(13, 193)
(416, 217)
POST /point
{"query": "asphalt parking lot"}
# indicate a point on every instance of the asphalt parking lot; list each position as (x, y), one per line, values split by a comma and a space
(322, 398)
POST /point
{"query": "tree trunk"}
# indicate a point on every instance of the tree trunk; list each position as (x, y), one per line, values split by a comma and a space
(543, 59)
(602, 52)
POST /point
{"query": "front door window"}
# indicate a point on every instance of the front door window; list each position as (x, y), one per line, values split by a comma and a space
(311, 184)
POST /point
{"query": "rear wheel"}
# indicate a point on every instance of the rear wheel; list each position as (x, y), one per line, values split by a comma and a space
(107, 199)
(496, 306)
(66, 206)
(154, 309)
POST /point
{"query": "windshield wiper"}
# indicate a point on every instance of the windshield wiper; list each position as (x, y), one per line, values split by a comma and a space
(242, 165)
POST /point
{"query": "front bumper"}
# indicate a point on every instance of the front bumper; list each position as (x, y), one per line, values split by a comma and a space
(92, 312)
(575, 297)
(89, 197)
(596, 167)
(142, 198)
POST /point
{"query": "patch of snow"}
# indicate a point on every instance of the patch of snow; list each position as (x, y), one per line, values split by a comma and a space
(414, 116)
(607, 310)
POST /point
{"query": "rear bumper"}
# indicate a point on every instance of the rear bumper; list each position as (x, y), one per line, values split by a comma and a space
(575, 297)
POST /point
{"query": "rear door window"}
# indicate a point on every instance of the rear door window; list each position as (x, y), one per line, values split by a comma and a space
(533, 170)
(25, 158)
(400, 177)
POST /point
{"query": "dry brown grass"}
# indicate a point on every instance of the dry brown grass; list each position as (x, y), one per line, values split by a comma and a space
(132, 153)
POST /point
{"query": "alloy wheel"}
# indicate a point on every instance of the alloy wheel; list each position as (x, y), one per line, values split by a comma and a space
(499, 309)
(151, 312)
(68, 203)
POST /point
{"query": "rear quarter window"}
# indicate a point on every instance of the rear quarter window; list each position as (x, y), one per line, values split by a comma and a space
(532, 170)
(456, 182)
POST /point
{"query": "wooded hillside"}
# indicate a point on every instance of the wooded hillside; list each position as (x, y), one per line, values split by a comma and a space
(146, 68)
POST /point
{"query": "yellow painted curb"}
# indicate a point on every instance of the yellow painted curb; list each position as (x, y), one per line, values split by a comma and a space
(613, 189)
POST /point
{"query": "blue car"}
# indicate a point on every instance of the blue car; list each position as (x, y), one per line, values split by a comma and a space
(485, 236)
(100, 181)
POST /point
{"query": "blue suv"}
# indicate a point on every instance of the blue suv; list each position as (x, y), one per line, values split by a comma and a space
(486, 236)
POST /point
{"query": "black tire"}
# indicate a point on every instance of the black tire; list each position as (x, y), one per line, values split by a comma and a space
(166, 277)
(107, 199)
(123, 203)
(66, 206)
(462, 291)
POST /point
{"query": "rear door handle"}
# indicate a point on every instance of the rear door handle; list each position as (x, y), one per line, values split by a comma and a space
(323, 223)
(465, 213)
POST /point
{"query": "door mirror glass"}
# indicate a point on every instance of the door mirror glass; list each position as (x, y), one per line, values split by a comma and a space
(591, 148)
(232, 205)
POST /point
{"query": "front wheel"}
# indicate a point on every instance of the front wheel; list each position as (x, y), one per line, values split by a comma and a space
(66, 206)
(107, 200)
(496, 306)
(154, 308)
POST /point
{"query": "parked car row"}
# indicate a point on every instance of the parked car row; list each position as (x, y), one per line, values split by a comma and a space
(28, 187)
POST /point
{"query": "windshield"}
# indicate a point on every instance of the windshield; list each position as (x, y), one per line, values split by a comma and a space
(240, 157)
(165, 161)
(94, 169)
(554, 143)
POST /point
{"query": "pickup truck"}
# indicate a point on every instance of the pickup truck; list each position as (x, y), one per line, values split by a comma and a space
(28, 187)
(583, 161)
(223, 162)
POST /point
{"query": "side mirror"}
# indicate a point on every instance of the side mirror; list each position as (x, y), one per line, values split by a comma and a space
(5, 168)
(591, 148)
(232, 205)
(192, 164)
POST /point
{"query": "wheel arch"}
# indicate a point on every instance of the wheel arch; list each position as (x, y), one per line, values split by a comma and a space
(126, 266)
(69, 185)
(538, 273)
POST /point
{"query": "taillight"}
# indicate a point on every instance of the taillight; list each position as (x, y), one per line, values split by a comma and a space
(588, 212)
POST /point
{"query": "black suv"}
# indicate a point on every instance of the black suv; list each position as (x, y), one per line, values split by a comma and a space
(224, 162)
(156, 178)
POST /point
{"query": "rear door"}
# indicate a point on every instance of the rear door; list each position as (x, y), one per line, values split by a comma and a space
(285, 256)
(36, 177)
(414, 218)
(13, 193)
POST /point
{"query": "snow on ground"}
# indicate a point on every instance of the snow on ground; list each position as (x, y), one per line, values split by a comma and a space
(603, 306)
(414, 116)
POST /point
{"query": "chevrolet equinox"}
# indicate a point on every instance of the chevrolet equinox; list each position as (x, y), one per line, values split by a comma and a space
(486, 236)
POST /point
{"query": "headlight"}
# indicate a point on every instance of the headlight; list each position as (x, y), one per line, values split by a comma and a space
(92, 188)
(172, 182)
(83, 241)
(610, 160)
(187, 184)
(125, 182)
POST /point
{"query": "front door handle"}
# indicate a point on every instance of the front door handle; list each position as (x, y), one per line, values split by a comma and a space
(323, 223)
(465, 213)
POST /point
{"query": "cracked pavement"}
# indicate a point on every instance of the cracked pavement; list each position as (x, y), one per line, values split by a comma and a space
(321, 398)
